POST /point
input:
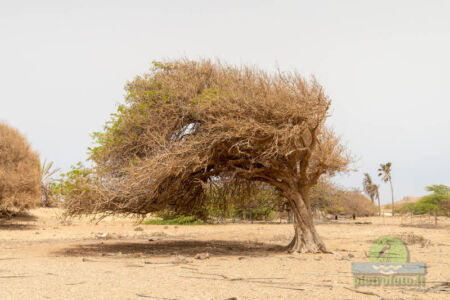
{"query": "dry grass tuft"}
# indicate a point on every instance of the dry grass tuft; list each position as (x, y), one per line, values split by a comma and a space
(410, 238)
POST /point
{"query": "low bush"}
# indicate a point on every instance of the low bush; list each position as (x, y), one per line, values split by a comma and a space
(329, 197)
(20, 178)
(170, 219)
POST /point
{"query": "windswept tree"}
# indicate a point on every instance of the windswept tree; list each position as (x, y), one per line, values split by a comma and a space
(371, 189)
(19, 172)
(188, 124)
(385, 174)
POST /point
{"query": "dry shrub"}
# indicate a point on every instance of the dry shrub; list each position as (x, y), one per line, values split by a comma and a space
(356, 203)
(19, 172)
(411, 238)
(280, 238)
(334, 199)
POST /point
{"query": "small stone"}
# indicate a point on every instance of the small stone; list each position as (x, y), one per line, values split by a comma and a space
(105, 236)
(204, 255)
(138, 229)
(85, 260)
(179, 259)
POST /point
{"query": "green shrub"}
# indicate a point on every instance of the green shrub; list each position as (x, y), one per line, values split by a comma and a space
(438, 201)
(425, 205)
(270, 216)
(405, 208)
(170, 219)
(263, 213)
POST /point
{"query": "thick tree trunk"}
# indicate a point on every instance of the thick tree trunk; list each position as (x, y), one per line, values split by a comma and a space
(379, 207)
(306, 238)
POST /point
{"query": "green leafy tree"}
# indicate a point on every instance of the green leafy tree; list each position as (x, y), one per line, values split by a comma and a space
(438, 201)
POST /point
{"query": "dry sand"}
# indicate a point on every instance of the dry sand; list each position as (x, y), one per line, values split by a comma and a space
(42, 258)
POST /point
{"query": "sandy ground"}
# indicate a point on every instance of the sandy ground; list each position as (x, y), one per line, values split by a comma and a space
(43, 258)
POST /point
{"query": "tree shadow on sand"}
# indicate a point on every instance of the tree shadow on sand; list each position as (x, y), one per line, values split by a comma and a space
(173, 247)
(21, 221)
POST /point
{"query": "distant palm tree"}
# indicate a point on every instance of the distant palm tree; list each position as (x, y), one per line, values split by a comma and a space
(371, 190)
(46, 182)
(385, 174)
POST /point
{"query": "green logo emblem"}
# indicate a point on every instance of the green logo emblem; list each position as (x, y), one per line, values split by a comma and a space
(388, 249)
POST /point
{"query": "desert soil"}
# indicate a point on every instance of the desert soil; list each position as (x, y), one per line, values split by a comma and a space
(42, 257)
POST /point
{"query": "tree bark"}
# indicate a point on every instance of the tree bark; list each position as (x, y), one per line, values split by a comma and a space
(392, 192)
(306, 238)
(379, 207)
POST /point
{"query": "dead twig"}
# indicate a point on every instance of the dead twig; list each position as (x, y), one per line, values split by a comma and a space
(362, 292)
(76, 283)
(285, 288)
(153, 297)
(440, 287)
(187, 268)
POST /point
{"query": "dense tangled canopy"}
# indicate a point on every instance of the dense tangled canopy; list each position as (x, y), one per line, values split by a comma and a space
(19, 172)
(190, 123)
(187, 123)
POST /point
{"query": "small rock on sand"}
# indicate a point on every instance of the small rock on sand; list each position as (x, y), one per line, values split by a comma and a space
(204, 255)
(179, 259)
(105, 236)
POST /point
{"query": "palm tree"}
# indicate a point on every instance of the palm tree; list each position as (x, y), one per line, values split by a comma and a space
(46, 182)
(385, 174)
(371, 190)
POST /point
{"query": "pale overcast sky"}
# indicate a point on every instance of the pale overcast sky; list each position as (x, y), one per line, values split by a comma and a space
(385, 65)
